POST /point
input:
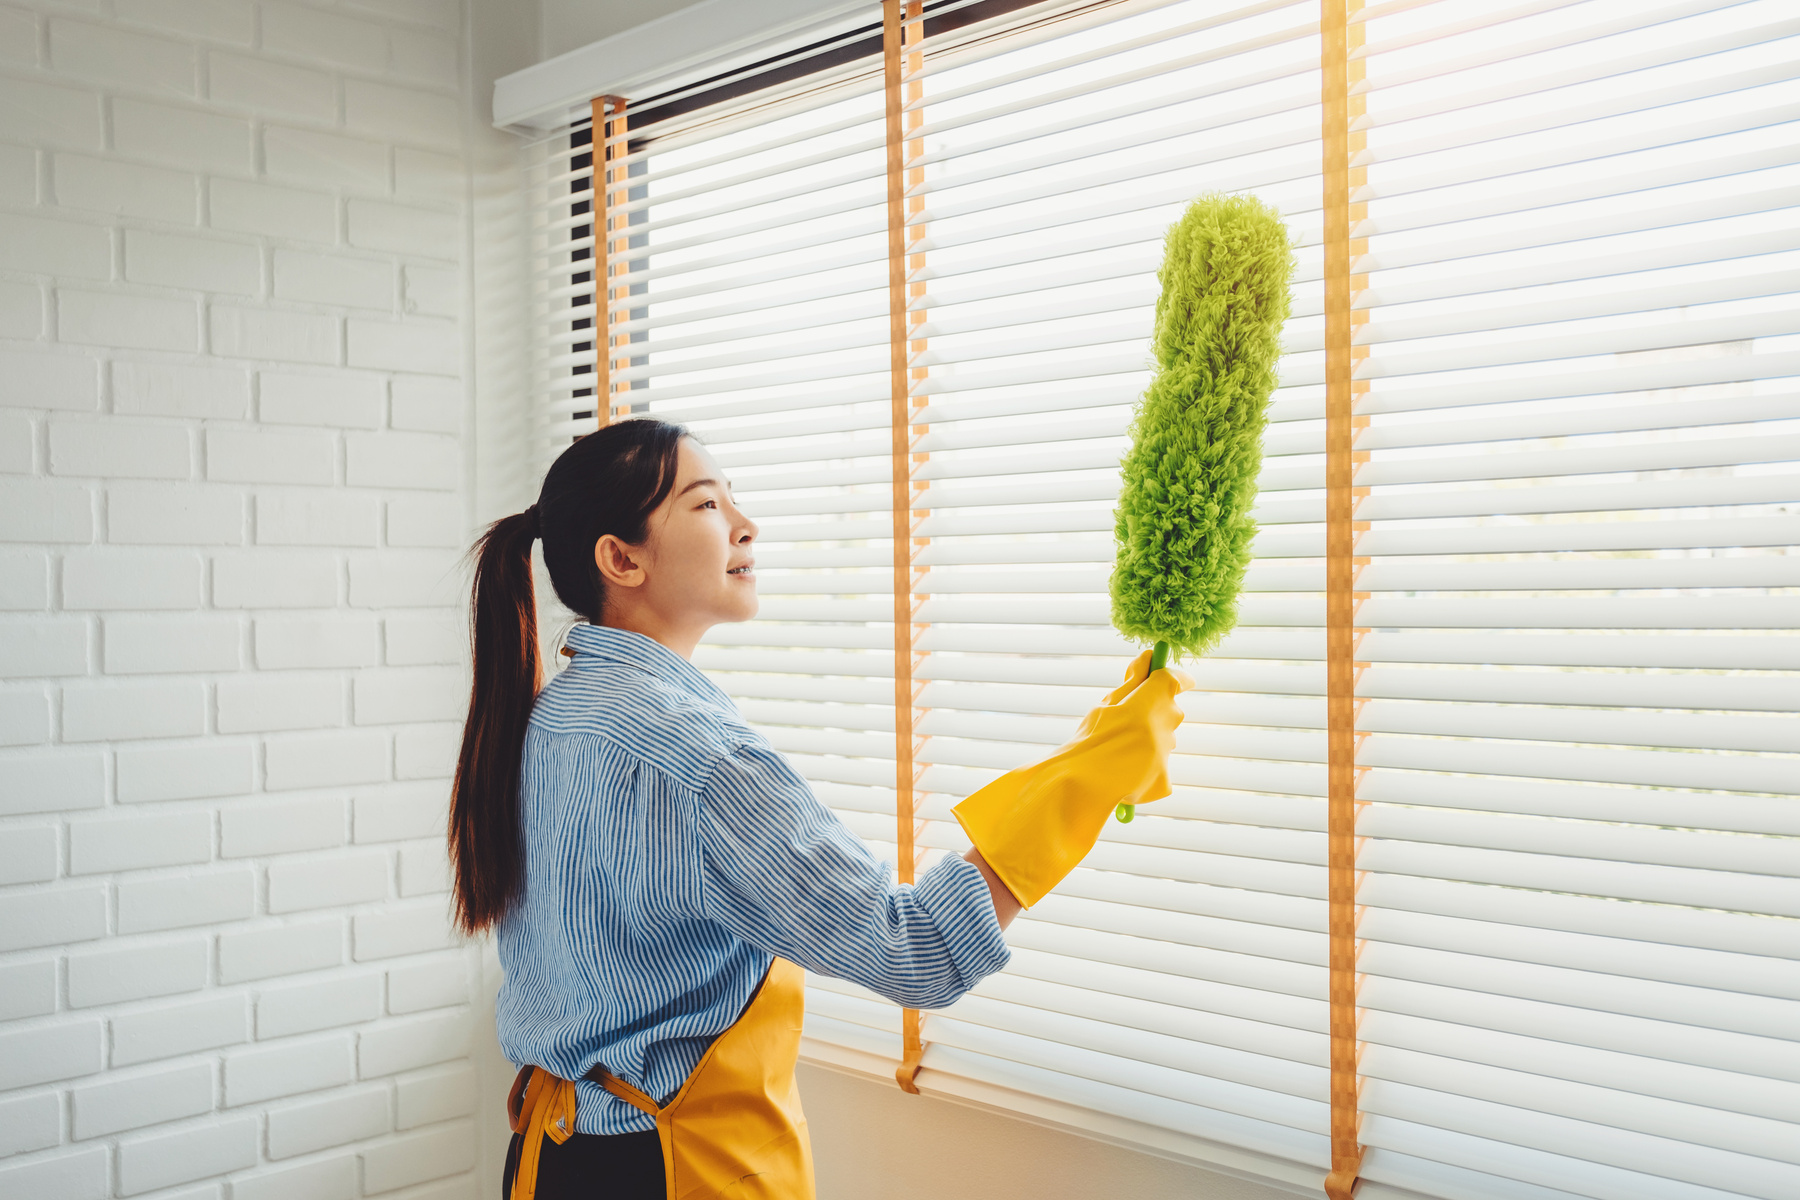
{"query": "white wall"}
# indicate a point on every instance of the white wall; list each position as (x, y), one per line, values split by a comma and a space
(568, 24)
(236, 366)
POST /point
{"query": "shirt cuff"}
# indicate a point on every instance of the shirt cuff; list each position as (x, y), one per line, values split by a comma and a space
(956, 896)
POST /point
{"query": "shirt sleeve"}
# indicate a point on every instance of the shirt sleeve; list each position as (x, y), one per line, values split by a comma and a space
(782, 872)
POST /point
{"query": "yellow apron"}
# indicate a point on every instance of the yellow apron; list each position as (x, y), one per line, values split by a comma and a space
(733, 1132)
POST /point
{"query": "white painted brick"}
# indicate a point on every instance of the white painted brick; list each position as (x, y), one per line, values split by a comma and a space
(165, 516)
(24, 717)
(427, 405)
(132, 1103)
(38, 646)
(172, 390)
(123, 843)
(400, 812)
(322, 518)
(424, 640)
(403, 460)
(160, 645)
(423, 57)
(137, 972)
(425, 521)
(36, 510)
(280, 950)
(28, 989)
(274, 580)
(51, 917)
(406, 579)
(435, 983)
(417, 1157)
(332, 1004)
(127, 322)
(178, 1029)
(252, 1076)
(18, 38)
(105, 712)
(270, 333)
(49, 1052)
(117, 449)
(198, 1153)
(38, 379)
(56, 782)
(321, 1124)
(347, 400)
(263, 703)
(46, 113)
(18, 444)
(427, 175)
(404, 229)
(274, 211)
(325, 760)
(335, 640)
(216, 20)
(18, 173)
(410, 694)
(271, 89)
(426, 751)
(48, 247)
(184, 901)
(213, 768)
(79, 1176)
(181, 137)
(413, 928)
(24, 581)
(126, 189)
(402, 114)
(263, 826)
(296, 886)
(21, 310)
(308, 34)
(245, 456)
(327, 1179)
(204, 264)
(132, 579)
(27, 854)
(435, 1096)
(334, 279)
(434, 291)
(29, 1123)
(118, 59)
(445, 14)
(325, 159)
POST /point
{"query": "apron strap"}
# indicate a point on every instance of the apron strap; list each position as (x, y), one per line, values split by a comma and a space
(625, 1091)
(539, 1105)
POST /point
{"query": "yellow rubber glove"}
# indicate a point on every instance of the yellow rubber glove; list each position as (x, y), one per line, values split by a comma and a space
(1036, 823)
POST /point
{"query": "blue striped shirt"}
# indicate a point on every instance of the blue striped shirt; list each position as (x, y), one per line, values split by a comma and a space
(670, 851)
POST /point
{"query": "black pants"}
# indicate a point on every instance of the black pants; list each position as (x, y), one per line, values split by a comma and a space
(591, 1166)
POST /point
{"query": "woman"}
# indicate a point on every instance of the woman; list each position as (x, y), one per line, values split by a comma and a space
(658, 875)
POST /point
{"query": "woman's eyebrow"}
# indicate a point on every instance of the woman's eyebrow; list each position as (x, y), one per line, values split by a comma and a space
(700, 483)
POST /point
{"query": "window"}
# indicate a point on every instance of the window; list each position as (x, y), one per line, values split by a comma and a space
(1576, 443)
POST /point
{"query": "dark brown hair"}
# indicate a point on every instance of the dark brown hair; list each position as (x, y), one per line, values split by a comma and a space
(607, 482)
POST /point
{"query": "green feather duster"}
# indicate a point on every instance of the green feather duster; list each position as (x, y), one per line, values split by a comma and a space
(1183, 525)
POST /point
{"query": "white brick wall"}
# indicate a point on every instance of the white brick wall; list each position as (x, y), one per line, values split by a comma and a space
(232, 495)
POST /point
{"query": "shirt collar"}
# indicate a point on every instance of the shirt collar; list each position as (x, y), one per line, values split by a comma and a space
(606, 644)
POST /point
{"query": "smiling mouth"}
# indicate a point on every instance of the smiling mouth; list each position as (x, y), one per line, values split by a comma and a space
(747, 570)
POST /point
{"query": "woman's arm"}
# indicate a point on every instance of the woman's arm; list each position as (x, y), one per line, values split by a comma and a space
(1006, 905)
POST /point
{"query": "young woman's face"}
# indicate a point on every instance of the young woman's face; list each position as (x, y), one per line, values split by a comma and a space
(694, 569)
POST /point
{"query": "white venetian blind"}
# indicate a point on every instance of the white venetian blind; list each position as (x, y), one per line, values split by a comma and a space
(1580, 935)
(1579, 450)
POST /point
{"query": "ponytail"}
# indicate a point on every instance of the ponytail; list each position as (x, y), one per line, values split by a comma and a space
(607, 482)
(485, 846)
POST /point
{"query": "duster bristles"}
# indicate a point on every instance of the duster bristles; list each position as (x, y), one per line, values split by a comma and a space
(1183, 526)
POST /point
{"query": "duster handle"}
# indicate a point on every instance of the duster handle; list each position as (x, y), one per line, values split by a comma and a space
(1159, 658)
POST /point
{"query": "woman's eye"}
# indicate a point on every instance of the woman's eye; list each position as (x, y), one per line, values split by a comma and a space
(714, 503)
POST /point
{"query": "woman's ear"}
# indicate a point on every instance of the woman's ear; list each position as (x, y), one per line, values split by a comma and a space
(616, 563)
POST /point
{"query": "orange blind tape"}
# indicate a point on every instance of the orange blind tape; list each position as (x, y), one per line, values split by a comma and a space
(608, 126)
(1340, 597)
(895, 41)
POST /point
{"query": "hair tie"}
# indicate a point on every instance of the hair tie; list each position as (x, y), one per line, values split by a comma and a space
(537, 522)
